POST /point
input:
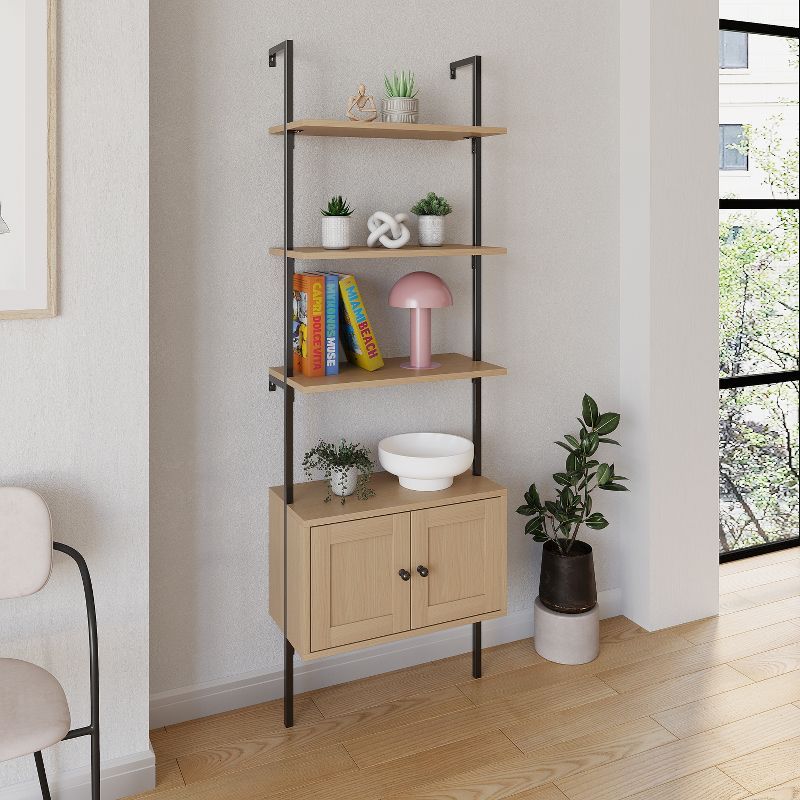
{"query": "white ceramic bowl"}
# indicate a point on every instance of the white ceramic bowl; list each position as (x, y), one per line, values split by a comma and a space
(426, 462)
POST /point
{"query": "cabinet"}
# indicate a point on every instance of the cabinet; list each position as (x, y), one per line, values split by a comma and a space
(359, 576)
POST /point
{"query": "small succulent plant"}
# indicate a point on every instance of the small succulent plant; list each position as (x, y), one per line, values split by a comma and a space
(401, 85)
(431, 206)
(337, 207)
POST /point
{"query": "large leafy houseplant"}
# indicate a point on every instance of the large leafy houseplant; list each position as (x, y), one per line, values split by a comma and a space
(560, 520)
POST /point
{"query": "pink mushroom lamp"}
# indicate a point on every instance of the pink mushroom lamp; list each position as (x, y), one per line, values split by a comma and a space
(420, 291)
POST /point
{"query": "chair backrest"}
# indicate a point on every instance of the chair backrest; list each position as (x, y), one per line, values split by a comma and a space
(26, 542)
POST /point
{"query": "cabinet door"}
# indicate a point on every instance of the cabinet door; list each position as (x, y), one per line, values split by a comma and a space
(356, 590)
(463, 549)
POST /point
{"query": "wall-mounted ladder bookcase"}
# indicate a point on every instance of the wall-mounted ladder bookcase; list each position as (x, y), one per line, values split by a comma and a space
(294, 518)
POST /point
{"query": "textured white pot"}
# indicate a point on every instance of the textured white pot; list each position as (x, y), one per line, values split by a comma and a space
(431, 231)
(400, 109)
(336, 233)
(566, 638)
(344, 481)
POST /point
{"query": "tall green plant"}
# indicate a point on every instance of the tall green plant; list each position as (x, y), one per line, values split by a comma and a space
(401, 85)
(560, 520)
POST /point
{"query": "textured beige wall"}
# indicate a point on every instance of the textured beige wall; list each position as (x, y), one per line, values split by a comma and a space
(550, 73)
(74, 389)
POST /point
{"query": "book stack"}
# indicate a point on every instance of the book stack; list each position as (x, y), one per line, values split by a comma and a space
(327, 307)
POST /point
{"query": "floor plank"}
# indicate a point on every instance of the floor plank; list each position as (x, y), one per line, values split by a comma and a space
(710, 784)
(763, 768)
(732, 602)
(786, 791)
(654, 669)
(552, 728)
(712, 712)
(769, 663)
(745, 564)
(524, 773)
(770, 592)
(247, 752)
(644, 771)
(759, 576)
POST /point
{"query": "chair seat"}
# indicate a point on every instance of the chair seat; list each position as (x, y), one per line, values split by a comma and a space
(33, 709)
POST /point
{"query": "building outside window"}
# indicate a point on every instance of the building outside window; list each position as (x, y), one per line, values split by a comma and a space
(732, 50)
(732, 150)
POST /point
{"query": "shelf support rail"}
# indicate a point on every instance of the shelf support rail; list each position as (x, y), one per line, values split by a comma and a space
(287, 48)
(475, 63)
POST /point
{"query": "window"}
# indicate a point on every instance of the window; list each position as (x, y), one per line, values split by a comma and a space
(731, 153)
(759, 310)
(732, 50)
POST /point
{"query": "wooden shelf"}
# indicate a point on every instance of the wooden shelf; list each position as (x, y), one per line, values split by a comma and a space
(453, 367)
(361, 252)
(387, 130)
(390, 497)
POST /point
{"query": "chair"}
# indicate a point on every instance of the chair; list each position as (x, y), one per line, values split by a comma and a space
(33, 708)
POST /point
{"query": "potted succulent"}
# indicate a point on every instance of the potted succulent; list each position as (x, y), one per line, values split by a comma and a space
(400, 103)
(336, 224)
(566, 582)
(431, 211)
(347, 467)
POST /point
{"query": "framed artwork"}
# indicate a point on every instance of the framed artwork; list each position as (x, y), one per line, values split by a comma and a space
(28, 207)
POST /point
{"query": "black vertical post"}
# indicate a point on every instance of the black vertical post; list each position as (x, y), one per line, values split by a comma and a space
(288, 392)
(475, 62)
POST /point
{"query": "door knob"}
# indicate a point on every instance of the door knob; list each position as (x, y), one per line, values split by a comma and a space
(422, 571)
(405, 574)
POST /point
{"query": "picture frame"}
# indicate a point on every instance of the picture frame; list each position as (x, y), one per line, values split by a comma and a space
(29, 185)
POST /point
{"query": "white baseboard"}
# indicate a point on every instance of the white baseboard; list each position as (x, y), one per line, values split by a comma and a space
(191, 702)
(119, 777)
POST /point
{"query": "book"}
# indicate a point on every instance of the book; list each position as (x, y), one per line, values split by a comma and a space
(331, 324)
(358, 336)
(314, 362)
(299, 323)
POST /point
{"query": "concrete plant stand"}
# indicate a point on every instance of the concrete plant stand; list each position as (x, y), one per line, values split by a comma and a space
(566, 638)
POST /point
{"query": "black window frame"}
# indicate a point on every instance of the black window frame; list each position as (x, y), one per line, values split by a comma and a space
(746, 35)
(736, 168)
(763, 378)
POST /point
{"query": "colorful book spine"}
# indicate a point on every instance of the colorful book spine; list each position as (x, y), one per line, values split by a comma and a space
(331, 324)
(299, 323)
(358, 337)
(314, 363)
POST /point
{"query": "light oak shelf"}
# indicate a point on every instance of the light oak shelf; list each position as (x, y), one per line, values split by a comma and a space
(310, 508)
(387, 130)
(362, 252)
(453, 367)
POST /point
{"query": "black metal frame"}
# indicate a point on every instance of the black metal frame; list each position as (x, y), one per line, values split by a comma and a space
(93, 728)
(763, 378)
(287, 48)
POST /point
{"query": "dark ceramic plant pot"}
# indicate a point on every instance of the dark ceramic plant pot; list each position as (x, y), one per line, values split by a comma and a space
(566, 583)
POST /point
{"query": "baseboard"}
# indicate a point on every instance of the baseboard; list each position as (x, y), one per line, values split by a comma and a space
(119, 777)
(191, 702)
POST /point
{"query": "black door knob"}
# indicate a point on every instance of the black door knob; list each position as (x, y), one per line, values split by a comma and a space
(422, 571)
(405, 574)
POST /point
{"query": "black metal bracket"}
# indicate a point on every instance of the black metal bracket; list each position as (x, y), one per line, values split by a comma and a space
(93, 729)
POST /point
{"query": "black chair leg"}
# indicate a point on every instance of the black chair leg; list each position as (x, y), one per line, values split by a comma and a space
(96, 765)
(37, 757)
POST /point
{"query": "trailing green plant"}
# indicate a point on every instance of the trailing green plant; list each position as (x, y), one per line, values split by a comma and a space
(337, 207)
(326, 457)
(431, 205)
(560, 520)
(401, 85)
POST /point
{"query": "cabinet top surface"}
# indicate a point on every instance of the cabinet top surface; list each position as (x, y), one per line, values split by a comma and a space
(390, 498)
(387, 130)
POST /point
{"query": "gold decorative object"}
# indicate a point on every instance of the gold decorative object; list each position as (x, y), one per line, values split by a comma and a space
(362, 108)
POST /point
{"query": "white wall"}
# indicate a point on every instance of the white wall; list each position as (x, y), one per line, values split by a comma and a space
(669, 308)
(74, 390)
(551, 194)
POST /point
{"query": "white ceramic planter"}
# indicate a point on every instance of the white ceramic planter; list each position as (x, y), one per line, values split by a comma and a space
(400, 109)
(344, 481)
(431, 231)
(426, 462)
(336, 233)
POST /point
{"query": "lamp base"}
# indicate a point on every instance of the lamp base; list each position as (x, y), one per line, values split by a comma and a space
(432, 365)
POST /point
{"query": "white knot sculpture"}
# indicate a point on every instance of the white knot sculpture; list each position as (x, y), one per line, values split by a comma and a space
(381, 224)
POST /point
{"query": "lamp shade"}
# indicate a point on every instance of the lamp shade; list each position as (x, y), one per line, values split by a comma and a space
(420, 290)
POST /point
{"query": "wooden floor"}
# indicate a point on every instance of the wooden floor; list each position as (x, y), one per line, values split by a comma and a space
(705, 711)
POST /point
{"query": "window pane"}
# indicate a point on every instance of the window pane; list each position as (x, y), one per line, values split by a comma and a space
(732, 50)
(758, 465)
(759, 293)
(732, 153)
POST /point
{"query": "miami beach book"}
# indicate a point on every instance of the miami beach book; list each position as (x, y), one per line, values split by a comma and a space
(358, 336)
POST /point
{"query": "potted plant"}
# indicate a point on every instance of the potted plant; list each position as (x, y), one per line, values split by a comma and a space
(347, 467)
(400, 103)
(336, 224)
(431, 211)
(567, 582)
